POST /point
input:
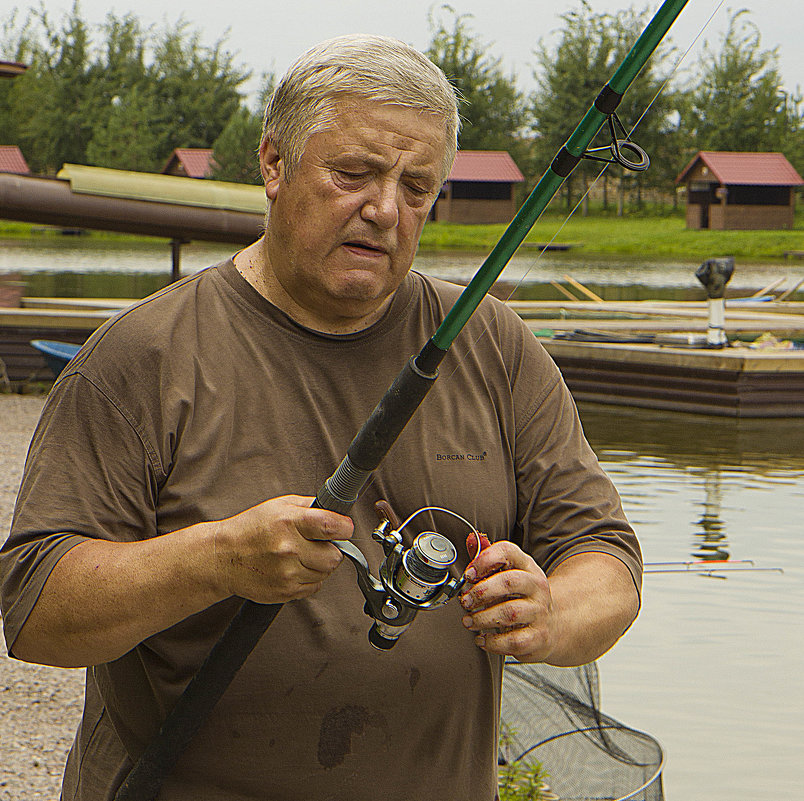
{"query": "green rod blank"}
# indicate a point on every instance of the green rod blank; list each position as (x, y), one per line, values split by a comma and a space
(551, 181)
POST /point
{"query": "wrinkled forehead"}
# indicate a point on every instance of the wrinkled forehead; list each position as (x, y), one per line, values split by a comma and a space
(384, 128)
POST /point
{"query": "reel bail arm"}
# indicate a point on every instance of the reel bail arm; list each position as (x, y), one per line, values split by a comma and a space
(411, 579)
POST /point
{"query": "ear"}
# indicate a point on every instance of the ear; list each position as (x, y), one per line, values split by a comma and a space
(271, 167)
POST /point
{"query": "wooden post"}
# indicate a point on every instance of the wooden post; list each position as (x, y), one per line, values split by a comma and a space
(175, 253)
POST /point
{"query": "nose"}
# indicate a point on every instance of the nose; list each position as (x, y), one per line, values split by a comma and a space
(382, 207)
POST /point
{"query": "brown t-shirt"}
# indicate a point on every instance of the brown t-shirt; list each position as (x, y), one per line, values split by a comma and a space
(205, 400)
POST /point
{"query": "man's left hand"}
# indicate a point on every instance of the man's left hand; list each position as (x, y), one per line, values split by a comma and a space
(569, 618)
(509, 605)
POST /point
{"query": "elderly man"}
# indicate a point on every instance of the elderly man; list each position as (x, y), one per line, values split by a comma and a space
(173, 471)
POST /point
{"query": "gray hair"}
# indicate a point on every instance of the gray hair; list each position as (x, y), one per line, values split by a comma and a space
(368, 67)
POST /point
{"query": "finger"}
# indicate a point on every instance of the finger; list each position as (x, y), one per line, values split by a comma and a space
(526, 641)
(323, 524)
(499, 556)
(514, 613)
(319, 557)
(499, 587)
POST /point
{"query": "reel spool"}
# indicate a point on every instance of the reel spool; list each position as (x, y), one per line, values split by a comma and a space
(411, 579)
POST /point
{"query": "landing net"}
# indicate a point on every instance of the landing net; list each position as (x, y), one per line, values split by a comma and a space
(552, 716)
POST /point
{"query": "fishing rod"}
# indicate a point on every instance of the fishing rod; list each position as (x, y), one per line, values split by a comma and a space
(391, 608)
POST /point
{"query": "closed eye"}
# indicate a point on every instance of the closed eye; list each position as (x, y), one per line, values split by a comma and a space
(350, 179)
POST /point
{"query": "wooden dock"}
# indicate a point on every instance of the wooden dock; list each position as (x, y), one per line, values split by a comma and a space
(60, 319)
(673, 372)
(736, 381)
(731, 382)
(742, 317)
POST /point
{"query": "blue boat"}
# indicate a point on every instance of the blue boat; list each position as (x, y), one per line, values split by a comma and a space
(57, 354)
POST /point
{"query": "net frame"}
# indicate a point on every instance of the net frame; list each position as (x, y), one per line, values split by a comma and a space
(551, 717)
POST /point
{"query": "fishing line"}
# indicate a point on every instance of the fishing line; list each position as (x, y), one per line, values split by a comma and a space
(678, 63)
(475, 340)
(444, 379)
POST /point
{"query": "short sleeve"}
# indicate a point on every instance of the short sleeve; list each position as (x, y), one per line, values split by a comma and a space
(88, 475)
(566, 502)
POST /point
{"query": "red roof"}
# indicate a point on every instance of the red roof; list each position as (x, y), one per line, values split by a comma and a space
(767, 169)
(196, 161)
(12, 160)
(485, 165)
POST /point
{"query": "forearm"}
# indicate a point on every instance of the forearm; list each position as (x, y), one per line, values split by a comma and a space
(594, 601)
(104, 598)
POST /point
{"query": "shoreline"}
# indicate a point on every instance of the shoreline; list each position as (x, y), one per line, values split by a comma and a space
(39, 706)
(663, 234)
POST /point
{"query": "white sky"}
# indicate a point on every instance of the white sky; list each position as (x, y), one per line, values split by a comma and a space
(268, 36)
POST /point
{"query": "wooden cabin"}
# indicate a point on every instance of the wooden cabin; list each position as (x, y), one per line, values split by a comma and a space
(190, 162)
(727, 191)
(479, 189)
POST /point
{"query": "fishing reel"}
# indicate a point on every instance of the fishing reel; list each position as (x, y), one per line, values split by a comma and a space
(411, 579)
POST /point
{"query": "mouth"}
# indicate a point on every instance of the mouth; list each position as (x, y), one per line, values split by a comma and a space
(365, 248)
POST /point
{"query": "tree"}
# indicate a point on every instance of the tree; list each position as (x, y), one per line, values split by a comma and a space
(127, 103)
(235, 150)
(569, 78)
(739, 103)
(123, 103)
(493, 111)
(793, 146)
(48, 100)
(196, 89)
(125, 140)
(17, 42)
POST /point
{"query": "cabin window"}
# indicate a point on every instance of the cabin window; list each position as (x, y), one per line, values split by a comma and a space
(748, 195)
(481, 190)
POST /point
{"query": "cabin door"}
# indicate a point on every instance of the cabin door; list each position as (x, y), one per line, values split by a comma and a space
(705, 214)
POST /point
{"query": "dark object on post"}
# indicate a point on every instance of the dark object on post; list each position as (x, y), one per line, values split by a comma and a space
(714, 274)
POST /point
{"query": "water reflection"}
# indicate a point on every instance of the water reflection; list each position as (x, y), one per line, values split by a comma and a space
(683, 476)
(529, 272)
(691, 440)
(704, 657)
(710, 542)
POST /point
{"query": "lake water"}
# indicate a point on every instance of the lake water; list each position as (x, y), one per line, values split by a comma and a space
(713, 666)
(78, 266)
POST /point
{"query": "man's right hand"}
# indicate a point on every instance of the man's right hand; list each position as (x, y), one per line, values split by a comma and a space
(279, 550)
(103, 598)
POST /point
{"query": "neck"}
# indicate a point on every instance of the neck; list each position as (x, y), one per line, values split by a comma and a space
(253, 264)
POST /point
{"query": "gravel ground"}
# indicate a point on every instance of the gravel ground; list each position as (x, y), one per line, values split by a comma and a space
(39, 706)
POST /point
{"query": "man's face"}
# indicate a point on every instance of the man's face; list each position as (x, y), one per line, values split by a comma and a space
(342, 233)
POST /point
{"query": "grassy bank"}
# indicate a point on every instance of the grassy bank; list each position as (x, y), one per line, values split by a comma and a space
(658, 237)
(10, 229)
(655, 236)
